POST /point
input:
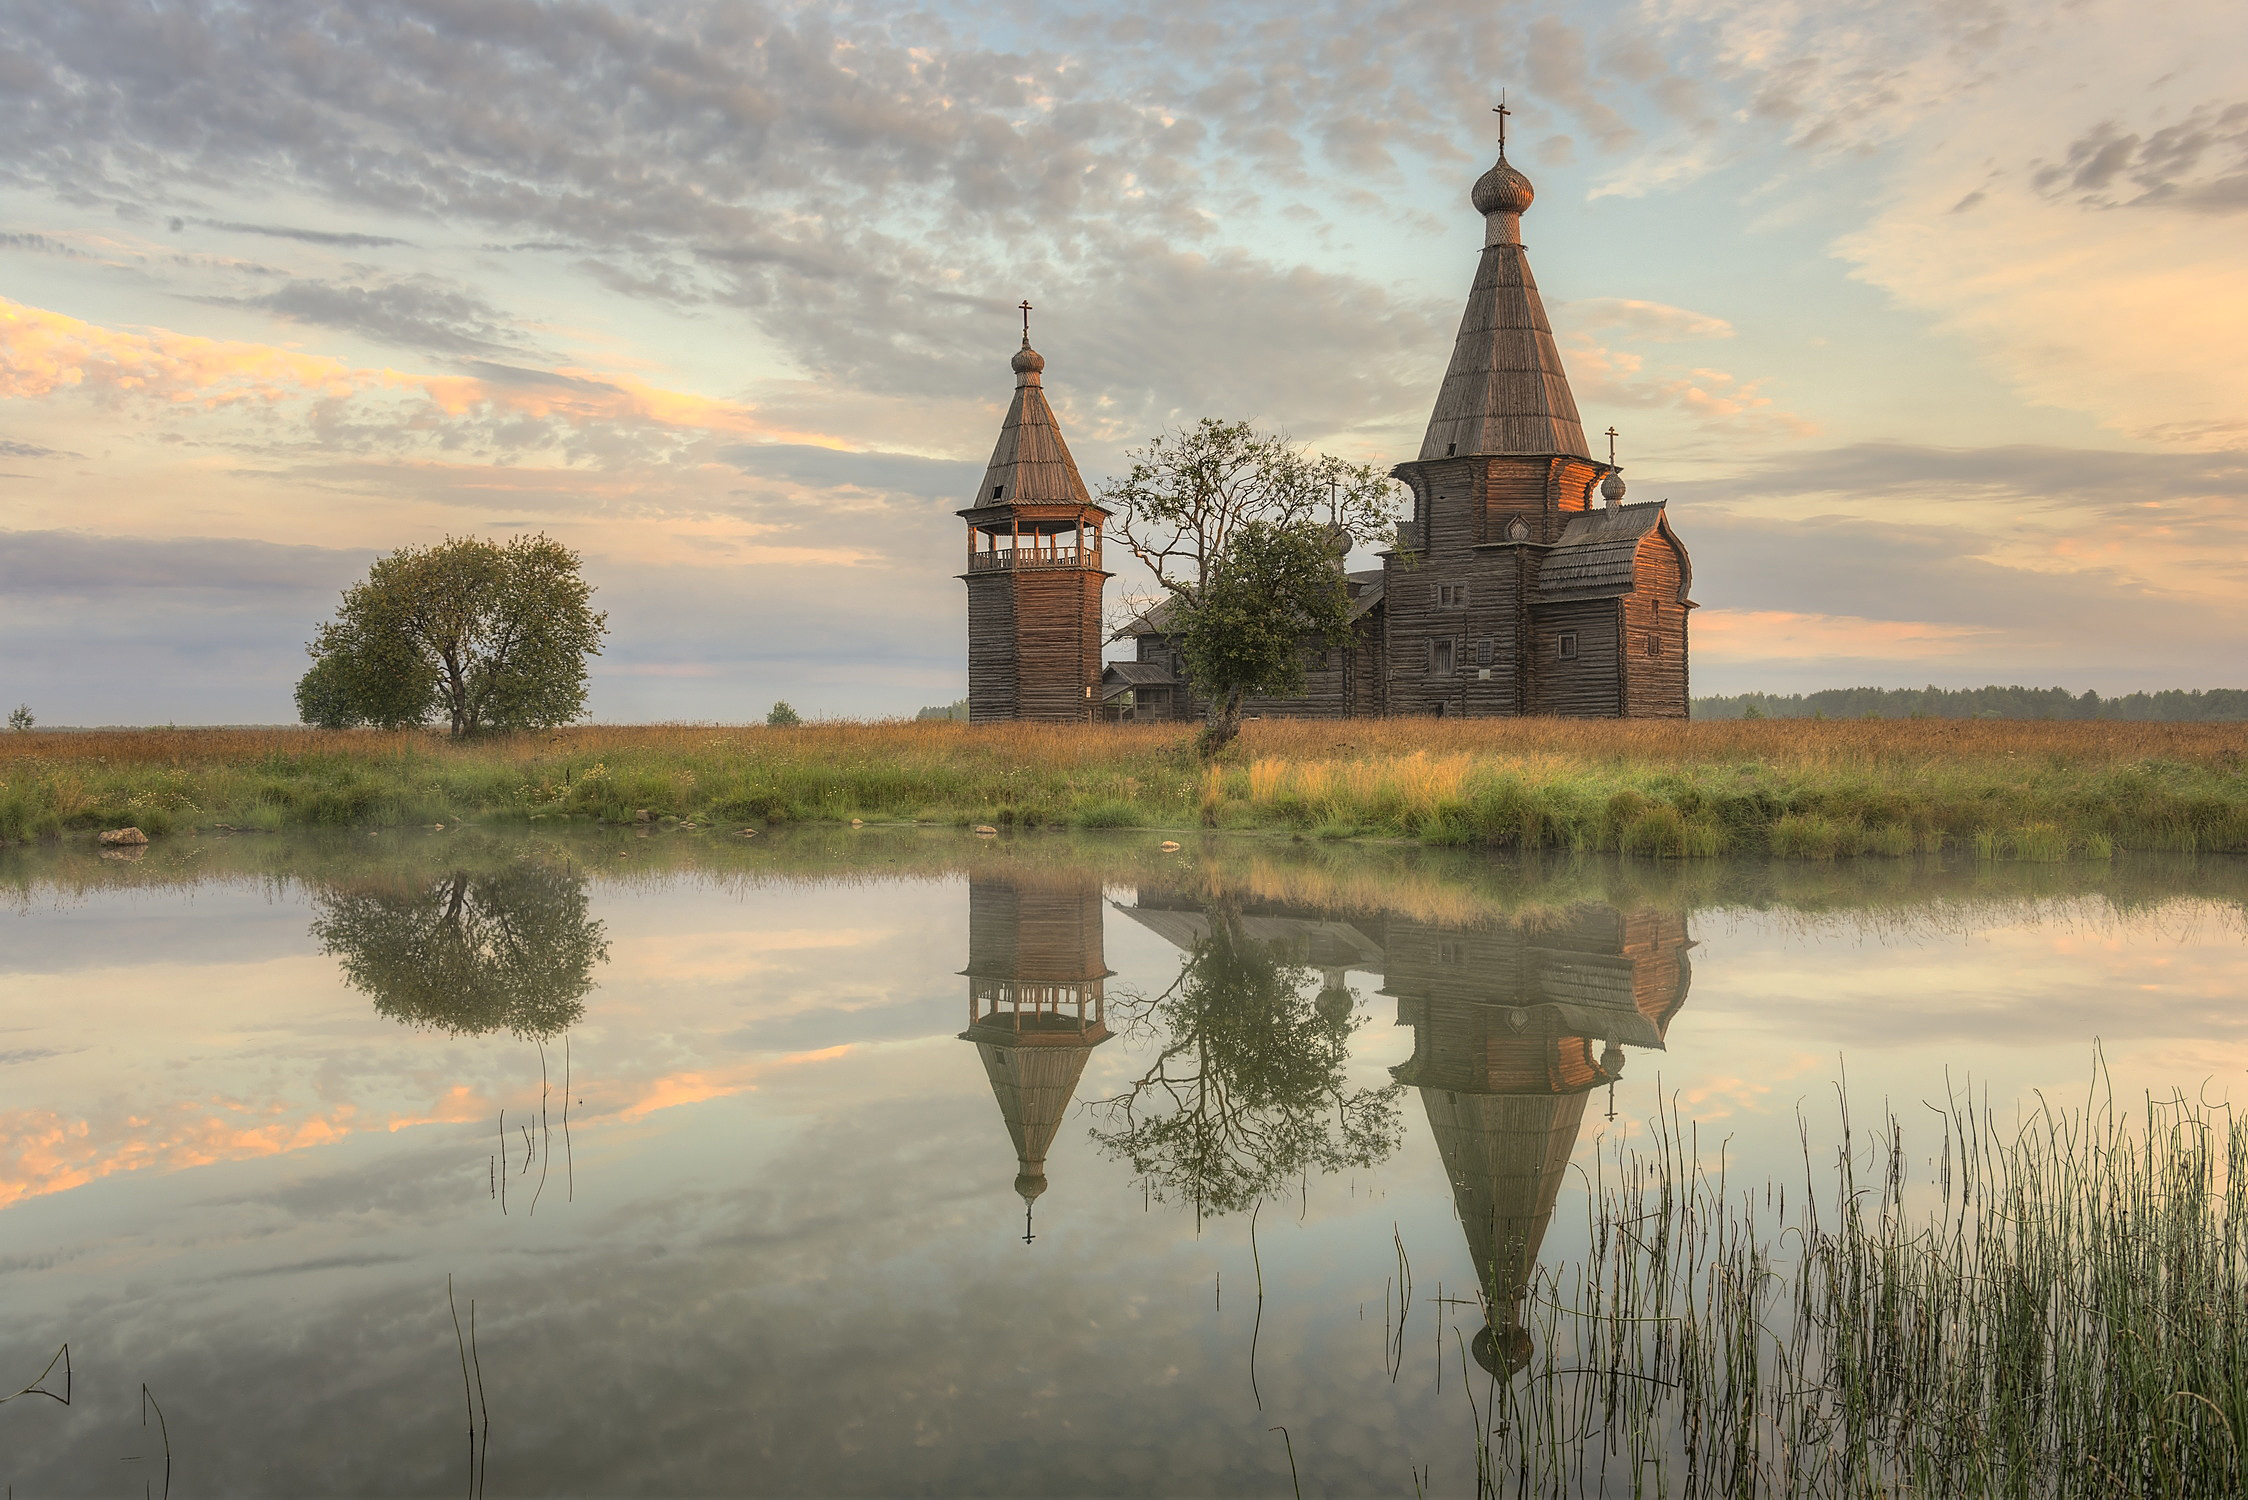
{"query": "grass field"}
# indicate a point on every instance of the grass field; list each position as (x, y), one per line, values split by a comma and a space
(2025, 790)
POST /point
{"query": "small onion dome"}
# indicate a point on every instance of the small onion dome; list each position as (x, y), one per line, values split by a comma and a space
(1502, 190)
(1503, 1354)
(1028, 361)
(1030, 1184)
(1612, 489)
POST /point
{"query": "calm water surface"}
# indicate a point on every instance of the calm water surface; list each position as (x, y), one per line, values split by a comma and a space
(902, 1162)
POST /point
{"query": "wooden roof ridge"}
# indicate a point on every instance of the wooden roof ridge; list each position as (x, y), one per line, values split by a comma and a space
(1031, 463)
(1505, 391)
(1595, 554)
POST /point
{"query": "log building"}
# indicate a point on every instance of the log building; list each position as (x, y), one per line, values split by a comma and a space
(1522, 583)
(1034, 569)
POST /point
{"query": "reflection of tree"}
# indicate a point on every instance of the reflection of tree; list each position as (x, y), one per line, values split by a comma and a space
(1249, 1091)
(511, 949)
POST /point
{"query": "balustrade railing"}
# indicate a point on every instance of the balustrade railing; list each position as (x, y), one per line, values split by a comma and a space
(1020, 558)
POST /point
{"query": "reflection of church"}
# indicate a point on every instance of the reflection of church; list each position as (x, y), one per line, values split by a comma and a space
(1036, 1006)
(1514, 1023)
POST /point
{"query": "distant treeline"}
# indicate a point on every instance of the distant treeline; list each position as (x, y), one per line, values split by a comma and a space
(2174, 706)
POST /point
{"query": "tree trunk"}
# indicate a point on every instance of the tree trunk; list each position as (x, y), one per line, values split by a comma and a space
(1224, 724)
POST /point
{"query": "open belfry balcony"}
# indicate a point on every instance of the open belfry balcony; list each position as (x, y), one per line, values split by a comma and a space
(1033, 543)
(1016, 559)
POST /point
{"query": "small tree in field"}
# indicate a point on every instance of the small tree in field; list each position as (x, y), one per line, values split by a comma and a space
(21, 720)
(485, 636)
(1271, 590)
(783, 717)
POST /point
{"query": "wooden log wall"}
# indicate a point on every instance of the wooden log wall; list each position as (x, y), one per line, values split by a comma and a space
(1655, 678)
(991, 648)
(1589, 686)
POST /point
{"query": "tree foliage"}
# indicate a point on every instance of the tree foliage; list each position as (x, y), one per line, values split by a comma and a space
(1222, 507)
(469, 953)
(1274, 591)
(1251, 1089)
(1188, 492)
(482, 635)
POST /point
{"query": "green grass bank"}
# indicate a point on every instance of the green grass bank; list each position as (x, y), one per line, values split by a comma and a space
(2033, 791)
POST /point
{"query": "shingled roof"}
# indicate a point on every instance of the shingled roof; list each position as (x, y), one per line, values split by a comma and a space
(1031, 465)
(1593, 558)
(1505, 391)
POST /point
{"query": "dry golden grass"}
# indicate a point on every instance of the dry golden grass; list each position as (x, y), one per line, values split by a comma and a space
(2007, 789)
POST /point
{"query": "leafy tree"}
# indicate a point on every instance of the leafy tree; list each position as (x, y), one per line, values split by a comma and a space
(783, 716)
(486, 636)
(465, 953)
(1188, 492)
(1250, 1090)
(1273, 588)
(21, 719)
(1216, 491)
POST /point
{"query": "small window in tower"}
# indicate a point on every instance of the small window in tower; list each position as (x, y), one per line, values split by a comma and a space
(1654, 644)
(998, 492)
(1440, 656)
(1450, 449)
(1565, 645)
(1483, 653)
(1451, 596)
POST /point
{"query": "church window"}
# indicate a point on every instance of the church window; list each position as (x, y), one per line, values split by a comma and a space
(1565, 645)
(998, 491)
(1654, 644)
(1451, 596)
(1440, 656)
(1450, 449)
(1451, 951)
(1483, 653)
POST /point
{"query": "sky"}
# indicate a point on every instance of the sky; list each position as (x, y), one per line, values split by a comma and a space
(1924, 316)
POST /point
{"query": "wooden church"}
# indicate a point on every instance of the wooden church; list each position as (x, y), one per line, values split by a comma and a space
(1522, 583)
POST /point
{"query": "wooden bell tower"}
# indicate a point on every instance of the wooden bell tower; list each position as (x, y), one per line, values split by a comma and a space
(1034, 569)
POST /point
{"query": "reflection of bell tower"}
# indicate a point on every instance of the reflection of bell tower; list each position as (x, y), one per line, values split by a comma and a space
(1035, 1003)
(1512, 1027)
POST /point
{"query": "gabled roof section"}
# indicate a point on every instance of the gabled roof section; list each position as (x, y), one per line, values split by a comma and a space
(1030, 464)
(1139, 674)
(1593, 558)
(1505, 391)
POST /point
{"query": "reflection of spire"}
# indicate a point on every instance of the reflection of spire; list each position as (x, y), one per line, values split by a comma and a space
(1506, 1024)
(1035, 1004)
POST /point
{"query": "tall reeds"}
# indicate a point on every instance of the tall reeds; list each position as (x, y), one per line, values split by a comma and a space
(2058, 1309)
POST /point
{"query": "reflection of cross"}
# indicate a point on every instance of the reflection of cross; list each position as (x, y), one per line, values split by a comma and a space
(1611, 447)
(1026, 325)
(1502, 112)
(1027, 1235)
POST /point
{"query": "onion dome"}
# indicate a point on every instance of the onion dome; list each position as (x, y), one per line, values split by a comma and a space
(1027, 361)
(1612, 489)
(1030, 1185)
(1502, 190)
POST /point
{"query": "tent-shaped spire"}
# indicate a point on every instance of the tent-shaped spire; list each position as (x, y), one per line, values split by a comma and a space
(1035, 1086)
(1505, 392)
(1031, 465)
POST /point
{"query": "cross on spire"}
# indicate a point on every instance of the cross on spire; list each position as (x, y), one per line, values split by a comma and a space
(1611, 447)
(1502, 112)
(1026, 323)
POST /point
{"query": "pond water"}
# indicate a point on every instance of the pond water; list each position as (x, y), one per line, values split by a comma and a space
(906, 1162)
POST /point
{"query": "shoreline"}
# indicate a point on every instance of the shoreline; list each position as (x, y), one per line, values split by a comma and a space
(2032, 790)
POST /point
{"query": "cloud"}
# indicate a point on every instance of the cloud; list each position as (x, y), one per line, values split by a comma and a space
(414, 312)
(9, 448)
(1762, 635)
(341, 240)
(1653, 322)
